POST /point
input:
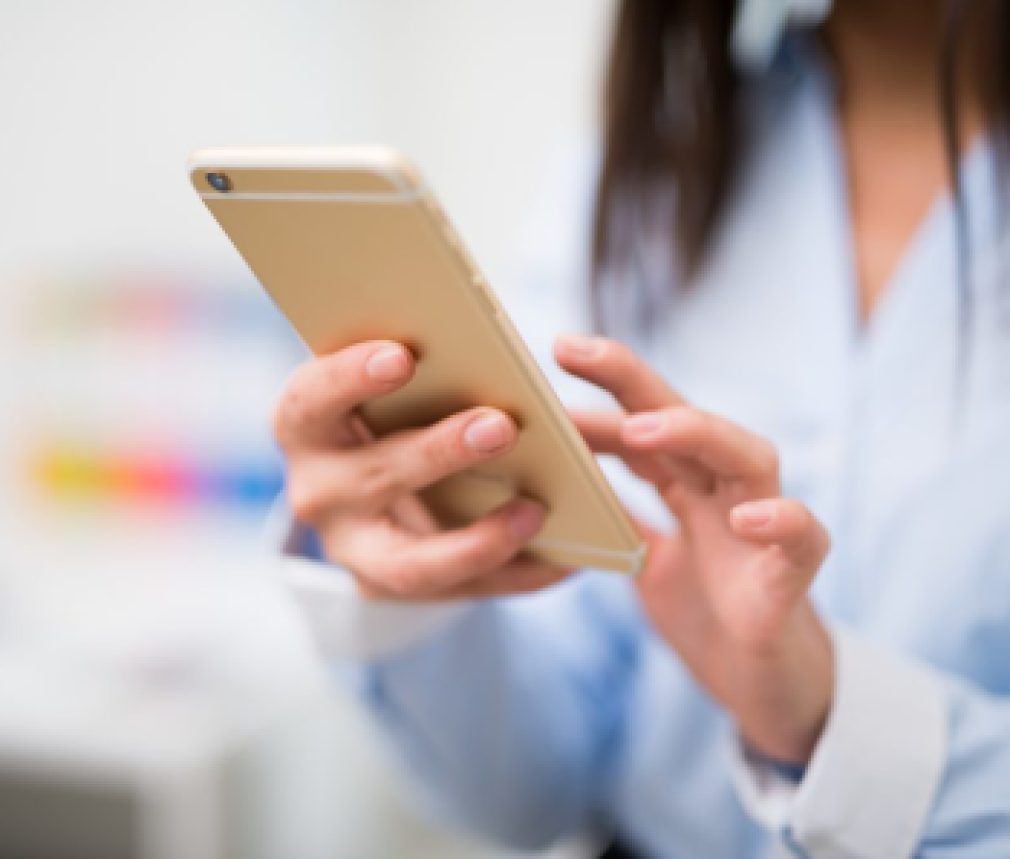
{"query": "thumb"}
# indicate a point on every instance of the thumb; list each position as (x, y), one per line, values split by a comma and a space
(663, 560)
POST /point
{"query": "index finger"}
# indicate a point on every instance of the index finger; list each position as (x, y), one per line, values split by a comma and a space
(719, 445)
(604, 433)
(615, 368)
(322, 393)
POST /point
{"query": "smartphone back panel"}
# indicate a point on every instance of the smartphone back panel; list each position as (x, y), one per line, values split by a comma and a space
(351, 247)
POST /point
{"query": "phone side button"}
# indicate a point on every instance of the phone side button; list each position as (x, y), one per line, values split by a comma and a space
(452, 238)
(484, 292)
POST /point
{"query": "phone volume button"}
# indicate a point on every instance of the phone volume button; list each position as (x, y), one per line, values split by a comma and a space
(484, 291)
(452, 238)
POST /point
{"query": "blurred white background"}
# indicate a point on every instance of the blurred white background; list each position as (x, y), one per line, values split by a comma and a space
(143, 640)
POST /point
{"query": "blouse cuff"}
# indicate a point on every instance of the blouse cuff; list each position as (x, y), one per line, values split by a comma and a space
(868, 788)
(346, 626)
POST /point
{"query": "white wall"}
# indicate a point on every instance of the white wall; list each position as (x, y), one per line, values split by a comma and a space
(482, 95)
(102, 100)
(99, 104)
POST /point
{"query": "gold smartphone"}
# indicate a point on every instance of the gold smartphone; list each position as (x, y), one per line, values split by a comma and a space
(352, 246)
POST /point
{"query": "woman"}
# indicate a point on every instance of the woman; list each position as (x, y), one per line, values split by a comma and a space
(804, 277)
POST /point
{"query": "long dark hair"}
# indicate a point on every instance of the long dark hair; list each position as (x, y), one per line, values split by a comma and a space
(671, 119)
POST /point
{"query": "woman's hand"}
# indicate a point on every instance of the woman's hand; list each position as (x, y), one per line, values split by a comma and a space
(727, 589)
(359, 493)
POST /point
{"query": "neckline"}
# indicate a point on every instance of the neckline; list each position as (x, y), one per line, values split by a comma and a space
(934, 230)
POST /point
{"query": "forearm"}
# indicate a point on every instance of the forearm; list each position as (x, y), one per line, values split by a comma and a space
(781, 697)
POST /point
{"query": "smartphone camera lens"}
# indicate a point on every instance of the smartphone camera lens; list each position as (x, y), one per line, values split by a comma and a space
(219, 182)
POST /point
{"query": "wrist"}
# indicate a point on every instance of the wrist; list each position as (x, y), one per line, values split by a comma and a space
(792, 688)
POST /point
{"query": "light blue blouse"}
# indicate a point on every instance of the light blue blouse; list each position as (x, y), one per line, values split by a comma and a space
(530, 717)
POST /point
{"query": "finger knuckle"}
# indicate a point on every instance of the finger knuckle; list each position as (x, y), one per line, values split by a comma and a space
(337, 372)
(488, 548)
(688, 424)
(808, 527)
(614, 351)
(442, 448)
(767, 458)
(295, 409)
(800, 514)
(289, 414)
(368, 590)
(403, 581)
(621, 359)
(307, 504)
(375, 483)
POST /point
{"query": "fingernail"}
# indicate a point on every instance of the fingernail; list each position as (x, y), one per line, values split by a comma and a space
(583, 347)
(525, 520)
(645, 424)
(488, 433)
(388, 364)
(754, 514)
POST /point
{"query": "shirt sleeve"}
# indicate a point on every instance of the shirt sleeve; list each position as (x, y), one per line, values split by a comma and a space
(347, 627)
(912, 763)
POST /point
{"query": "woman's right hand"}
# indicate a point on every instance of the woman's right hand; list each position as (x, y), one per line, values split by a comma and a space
(359, 492)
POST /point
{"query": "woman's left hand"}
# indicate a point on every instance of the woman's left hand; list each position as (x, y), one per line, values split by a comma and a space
(728, 588)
